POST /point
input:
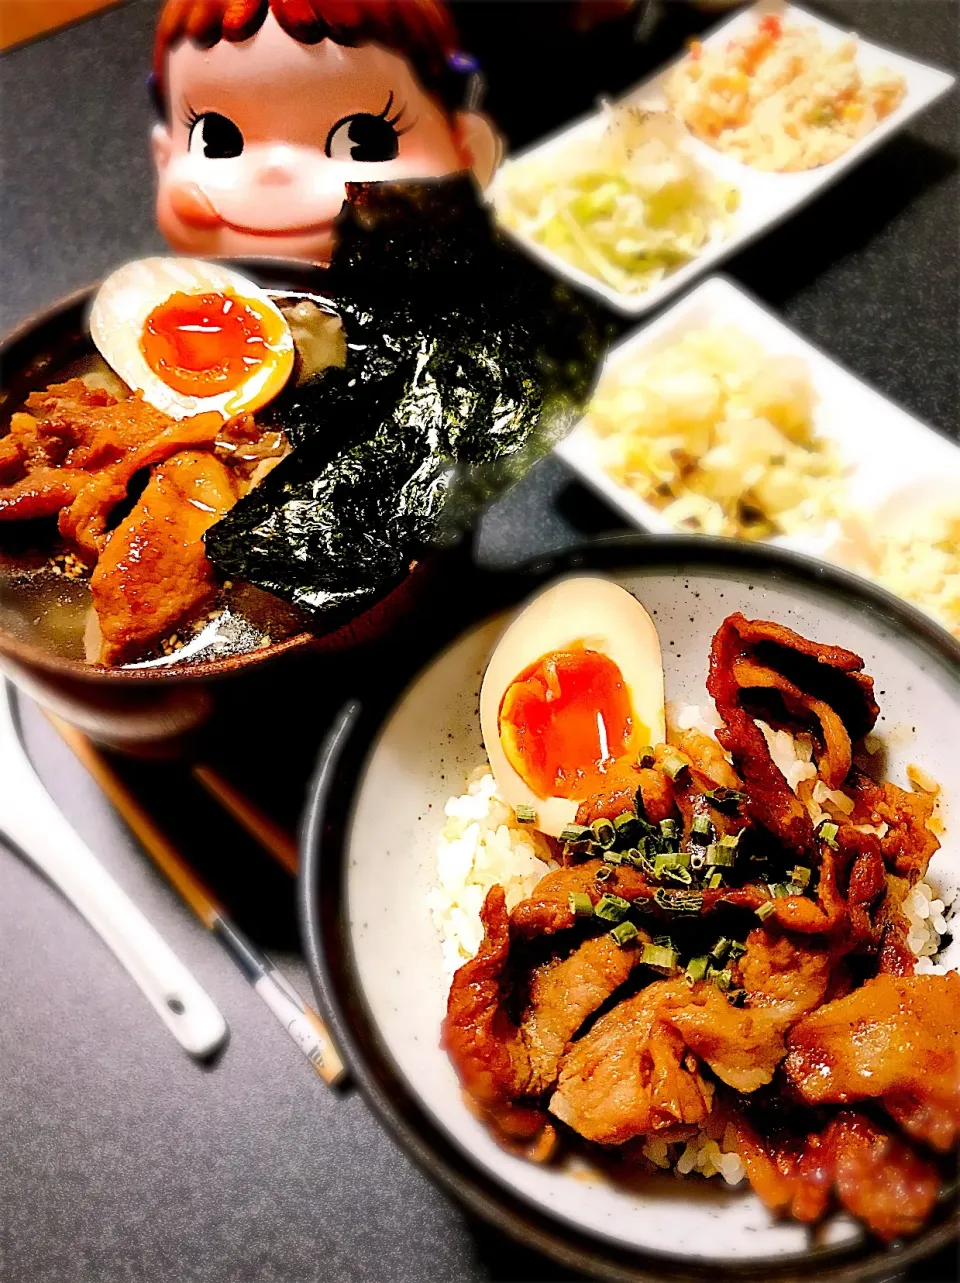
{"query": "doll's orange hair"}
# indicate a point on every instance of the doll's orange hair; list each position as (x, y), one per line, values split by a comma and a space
(422, 31)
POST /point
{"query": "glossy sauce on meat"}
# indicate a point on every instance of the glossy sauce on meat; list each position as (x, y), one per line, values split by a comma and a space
(807, 1039)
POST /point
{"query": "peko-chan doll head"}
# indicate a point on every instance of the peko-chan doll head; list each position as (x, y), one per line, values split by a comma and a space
(271, 106)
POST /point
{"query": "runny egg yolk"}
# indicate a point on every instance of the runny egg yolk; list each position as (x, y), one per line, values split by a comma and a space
(204, 344)
(565, 720)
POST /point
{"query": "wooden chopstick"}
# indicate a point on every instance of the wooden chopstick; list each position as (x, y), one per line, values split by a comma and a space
(302, 1023)
(274, 839)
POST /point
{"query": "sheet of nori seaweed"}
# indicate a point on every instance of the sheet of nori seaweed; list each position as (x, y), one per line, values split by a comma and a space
(465, 364)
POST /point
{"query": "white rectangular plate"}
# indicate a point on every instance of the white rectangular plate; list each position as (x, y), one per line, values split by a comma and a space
(893, 458)
(765, 198)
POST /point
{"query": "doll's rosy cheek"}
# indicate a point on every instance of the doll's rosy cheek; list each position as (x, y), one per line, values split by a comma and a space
(191, 205)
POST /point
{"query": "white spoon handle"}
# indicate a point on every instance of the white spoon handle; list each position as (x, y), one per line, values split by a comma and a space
(30, 819)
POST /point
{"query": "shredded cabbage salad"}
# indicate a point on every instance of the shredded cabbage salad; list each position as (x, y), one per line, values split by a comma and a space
(628, 207)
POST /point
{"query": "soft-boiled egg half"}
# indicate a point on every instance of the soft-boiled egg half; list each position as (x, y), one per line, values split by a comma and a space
(192, 336)
(573, 687)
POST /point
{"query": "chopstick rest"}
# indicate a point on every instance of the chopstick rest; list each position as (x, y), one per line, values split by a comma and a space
(34, 826)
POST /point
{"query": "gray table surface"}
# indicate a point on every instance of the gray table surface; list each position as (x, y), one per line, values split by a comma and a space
(119, 1158)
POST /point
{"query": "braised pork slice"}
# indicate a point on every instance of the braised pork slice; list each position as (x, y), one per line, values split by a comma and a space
(744, 1045)
(547, 910)
(617, 795)
(43, 492)
(787, 975)
(500, 1062)
(908, 843)
(55, 446)
(708, 760)
(85, 522)
(896, 1039)
(485, 1046)
(563, 993)
(154, 571)
(762, 669)
(74, 450)
(631, 1074)
(875, 1175)
(879, 1179)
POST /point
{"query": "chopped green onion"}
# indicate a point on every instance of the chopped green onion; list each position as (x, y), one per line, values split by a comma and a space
(604, 832)
(668, 829)
(719, 855)
(778, 890)
(604, 873)
(715, 880)
(525, 813)
(800, 876)
(674, 764)
(613, 857)
(723, 798)
(625, 823)
(665, 941)
(730, 841)
(655, 955)
(696, 969)
(645, 757)
(697, 860)
(722, 979)
(579, 847)
(720, 949)
(612, 908)
(679, 874)
(664, 862)
(764, 910)
(581, 904)
(651, 830)
(624, 933)
(702, 830)
(827, 832)
(678, 901)
(641, 862)
(575, 833)
(737, 948)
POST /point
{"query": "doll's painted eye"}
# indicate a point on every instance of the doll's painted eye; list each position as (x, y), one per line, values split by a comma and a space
(215, 136)
(363, 137)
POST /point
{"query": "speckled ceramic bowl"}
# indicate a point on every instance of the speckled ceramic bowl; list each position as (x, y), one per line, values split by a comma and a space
(369, 861)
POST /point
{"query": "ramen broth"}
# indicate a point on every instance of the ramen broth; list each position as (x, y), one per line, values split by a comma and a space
(42, 606)
(45, 608)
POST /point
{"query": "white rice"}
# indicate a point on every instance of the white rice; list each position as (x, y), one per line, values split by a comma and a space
(481, 844)
(704, 1154)
(925, 909)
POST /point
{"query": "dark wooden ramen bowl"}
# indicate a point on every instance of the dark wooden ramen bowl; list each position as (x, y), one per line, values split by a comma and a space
(29, 356)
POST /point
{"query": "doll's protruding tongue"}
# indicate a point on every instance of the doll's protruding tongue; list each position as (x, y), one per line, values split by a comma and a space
(193, 206)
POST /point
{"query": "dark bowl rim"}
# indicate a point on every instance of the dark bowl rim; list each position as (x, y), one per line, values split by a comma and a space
(38, 659)
(323, 834)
